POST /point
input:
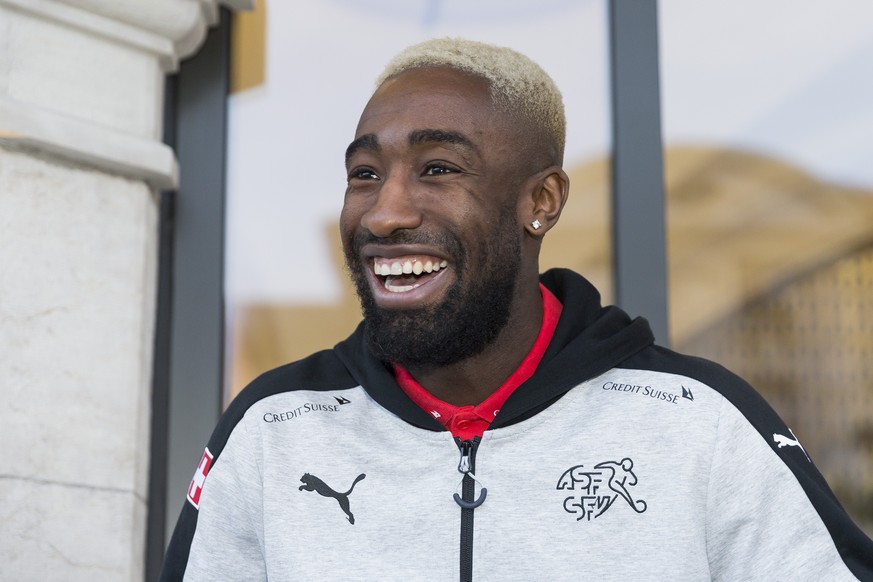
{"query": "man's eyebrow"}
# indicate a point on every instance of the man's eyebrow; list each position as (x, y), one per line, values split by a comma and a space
(421, 136)
(365, 142)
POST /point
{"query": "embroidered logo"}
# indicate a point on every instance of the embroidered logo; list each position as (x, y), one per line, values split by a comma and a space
(596, 489)
(313, 483)
(686, 393)
(342, 400)
(784, 441)
(196, 486)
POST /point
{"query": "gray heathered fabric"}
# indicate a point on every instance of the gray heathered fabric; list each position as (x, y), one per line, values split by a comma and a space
(696, 494)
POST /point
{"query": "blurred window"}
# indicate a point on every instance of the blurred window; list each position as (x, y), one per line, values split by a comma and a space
(768, 130)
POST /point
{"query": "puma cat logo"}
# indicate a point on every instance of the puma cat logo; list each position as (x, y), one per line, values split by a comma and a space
(784, 441)
(313, 483)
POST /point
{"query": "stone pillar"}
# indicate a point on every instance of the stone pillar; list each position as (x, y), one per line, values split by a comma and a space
(81, 160)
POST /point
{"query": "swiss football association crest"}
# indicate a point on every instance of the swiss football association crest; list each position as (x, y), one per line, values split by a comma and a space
(594, 489)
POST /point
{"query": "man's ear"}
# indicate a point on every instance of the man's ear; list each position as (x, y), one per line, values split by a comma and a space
(547, 197)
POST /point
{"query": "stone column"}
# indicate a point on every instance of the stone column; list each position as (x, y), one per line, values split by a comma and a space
(81, 160)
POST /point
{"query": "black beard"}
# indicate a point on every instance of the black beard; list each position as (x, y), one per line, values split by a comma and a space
(475, 310)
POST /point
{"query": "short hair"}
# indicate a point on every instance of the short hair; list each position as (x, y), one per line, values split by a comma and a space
(517, 83)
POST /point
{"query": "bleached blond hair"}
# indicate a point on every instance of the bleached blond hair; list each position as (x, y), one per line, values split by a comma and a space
(517, 84)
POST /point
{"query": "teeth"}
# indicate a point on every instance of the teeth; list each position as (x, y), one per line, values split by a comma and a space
(384, 267)
(381, 269)
(399, 288)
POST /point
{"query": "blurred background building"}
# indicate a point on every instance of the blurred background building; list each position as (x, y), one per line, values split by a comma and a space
(136, 300)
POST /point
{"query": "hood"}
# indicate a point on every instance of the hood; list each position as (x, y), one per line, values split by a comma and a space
(589, 340)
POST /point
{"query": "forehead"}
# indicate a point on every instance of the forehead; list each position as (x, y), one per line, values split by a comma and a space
(431, 98)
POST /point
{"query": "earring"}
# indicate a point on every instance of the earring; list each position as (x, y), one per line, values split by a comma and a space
(536, 224)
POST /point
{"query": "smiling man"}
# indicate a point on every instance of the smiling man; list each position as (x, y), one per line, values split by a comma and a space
(447, 203)
(486, 421)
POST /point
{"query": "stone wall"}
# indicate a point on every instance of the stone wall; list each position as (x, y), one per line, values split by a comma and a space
(81, 161)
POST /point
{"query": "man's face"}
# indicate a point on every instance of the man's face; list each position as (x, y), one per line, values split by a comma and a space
(429, 224)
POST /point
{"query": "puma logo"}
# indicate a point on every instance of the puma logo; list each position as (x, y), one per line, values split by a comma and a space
(784, 441)
(313, 483)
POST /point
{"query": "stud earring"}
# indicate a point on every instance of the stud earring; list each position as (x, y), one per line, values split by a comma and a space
(536, 224)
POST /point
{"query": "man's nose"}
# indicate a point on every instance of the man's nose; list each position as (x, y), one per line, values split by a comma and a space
(395, 208)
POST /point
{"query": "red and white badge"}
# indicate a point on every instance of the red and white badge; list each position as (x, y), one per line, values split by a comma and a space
(196, 486)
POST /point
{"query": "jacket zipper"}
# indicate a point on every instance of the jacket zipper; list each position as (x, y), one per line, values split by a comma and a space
(468, 503)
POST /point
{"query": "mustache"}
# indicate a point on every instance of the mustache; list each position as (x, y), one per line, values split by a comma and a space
(443, 240)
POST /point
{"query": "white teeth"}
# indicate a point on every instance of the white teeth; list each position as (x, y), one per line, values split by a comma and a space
(380, 269)
(384, 268)
(399, 288)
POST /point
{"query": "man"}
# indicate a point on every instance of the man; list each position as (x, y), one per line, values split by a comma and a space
(485, 421)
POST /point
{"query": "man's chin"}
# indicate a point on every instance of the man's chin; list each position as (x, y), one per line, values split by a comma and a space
(409, 336)
(410, 350)
(433, 336)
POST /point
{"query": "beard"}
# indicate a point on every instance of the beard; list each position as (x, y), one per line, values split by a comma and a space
(473, 312)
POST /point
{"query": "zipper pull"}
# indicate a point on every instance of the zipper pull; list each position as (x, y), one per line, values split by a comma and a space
(465, 466)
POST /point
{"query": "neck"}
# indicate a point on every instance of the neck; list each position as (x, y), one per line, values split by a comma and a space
(472, 380)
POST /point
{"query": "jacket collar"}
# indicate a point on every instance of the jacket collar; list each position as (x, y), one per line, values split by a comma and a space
(589, 340)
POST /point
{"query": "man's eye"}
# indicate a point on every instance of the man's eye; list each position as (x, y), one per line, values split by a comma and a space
(437, 170)
(363, 174)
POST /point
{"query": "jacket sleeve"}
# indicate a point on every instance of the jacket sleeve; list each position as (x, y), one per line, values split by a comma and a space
(223, 539)
(770, 513)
